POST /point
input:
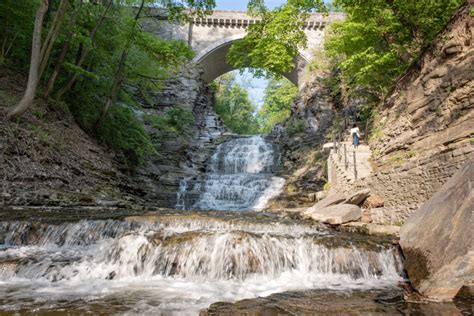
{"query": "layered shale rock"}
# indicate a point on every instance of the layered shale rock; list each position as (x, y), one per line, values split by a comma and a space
(426, 126)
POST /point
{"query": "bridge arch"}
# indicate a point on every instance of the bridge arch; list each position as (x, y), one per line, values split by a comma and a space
(214, 63)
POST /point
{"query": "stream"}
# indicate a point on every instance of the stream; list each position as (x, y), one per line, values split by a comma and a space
(180, 262)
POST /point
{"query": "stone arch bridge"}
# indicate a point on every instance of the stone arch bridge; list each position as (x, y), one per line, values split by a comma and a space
(211, 37)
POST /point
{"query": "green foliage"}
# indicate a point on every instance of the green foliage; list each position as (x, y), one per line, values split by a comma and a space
(380, 39)
(235, 107)
(327, 186)
(279, 96)
(122, 131)
(270, 46)
(239, 113)
(317, 155)
(148, 62)
(175, 120)
(16, 25)
(295, 127)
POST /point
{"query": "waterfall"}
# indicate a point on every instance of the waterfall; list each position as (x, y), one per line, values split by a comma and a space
(179, 263)
(239, 177)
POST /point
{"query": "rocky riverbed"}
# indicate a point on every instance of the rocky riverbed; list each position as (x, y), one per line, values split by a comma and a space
(185, 262)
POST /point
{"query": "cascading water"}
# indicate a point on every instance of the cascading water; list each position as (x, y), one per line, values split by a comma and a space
(178, 264)
(239, 177)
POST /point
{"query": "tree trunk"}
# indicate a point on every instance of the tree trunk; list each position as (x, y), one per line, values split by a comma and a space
(119, 74)
(52, 36)
(33, 76)
(62, 55)
(84, 53)
(57, 67)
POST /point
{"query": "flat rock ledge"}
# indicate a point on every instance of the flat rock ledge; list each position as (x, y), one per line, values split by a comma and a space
(335, 214)
(374, 229)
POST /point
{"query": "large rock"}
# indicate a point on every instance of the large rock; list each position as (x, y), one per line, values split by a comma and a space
(331, 199)
(374, 201)
(336, 214)
(358, 197)
(437, 239)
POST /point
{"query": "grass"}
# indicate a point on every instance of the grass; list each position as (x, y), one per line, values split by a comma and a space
(327, 186)
(376, 133)
(7, 99)
(317, 156)
(291, 188)
(398, 157)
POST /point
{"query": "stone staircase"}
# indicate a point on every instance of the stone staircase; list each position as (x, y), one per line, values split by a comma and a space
(341, 163)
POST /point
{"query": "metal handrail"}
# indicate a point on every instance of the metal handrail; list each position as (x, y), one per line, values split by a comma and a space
(343, 156)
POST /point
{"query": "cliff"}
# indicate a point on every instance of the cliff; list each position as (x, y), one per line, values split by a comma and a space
(424, 130)
(46, 159)
(300, 139)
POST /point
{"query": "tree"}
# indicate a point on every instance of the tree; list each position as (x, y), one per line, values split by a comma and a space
(33, 76)
(83, 52)
(380, 39)
(14, 36)
(270, 46)
(234, 106)
(279, 97)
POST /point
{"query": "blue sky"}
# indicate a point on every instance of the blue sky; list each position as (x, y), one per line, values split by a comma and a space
(255, 86)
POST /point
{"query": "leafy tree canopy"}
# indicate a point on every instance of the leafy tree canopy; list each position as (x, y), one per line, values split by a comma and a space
(379, 39)
(233, 105)
(271, 45)
(279, 96)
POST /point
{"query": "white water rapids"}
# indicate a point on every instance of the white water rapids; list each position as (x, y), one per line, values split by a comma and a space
(239, 177)
(177, 264)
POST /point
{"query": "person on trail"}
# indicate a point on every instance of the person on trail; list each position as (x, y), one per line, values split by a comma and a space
(355, 134)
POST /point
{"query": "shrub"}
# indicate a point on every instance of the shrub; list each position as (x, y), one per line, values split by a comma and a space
(122, 131)
(175, 120)
(295, 127)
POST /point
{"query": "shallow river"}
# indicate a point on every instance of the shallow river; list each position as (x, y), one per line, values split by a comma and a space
(181, 262)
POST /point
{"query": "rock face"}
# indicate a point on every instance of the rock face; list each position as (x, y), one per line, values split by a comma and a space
(335, 214)
(425, 128)
(180, 156)
(299, 139)
(358, 197)
(437, 239)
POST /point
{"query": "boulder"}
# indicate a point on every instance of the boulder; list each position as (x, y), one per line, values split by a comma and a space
(358, 197)
(437, 239)
(316, 197)
(331, 199)
(374, 201)
(336, 214)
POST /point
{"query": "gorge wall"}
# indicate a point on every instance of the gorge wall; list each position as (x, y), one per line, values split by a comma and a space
(300, 139)
(180, 156)
(46, 159)
(425, 129)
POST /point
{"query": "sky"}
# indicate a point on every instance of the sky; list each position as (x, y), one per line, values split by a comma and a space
(255, 86)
